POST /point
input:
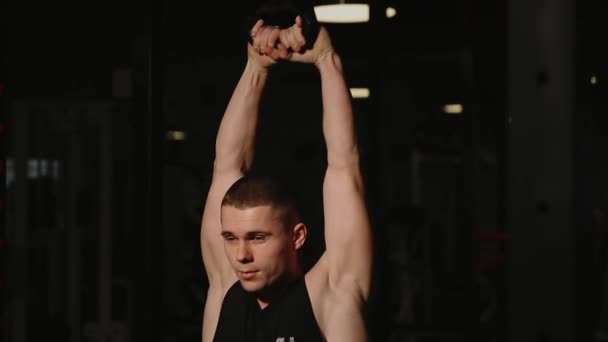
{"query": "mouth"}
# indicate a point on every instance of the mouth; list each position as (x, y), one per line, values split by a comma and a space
(247, 275)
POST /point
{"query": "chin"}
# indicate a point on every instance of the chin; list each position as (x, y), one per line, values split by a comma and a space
(251, 286)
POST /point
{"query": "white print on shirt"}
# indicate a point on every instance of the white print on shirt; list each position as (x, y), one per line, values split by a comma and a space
(282, 339)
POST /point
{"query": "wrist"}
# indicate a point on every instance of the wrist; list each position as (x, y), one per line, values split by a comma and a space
(328, 60)
(255, 68)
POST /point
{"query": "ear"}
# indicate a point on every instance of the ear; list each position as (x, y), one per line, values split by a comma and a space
(300, 233)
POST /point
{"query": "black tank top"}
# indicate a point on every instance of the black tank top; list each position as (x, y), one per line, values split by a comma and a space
(289, 318)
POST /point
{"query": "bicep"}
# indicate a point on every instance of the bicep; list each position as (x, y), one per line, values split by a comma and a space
(344, 320)
(348, 237)
(211, 313)
(212, 245)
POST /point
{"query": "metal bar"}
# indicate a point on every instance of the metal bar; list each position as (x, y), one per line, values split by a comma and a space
(19, 270)
(541, 254)
(105, 216)
(74, 254)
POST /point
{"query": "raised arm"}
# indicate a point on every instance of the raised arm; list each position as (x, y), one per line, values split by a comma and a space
(347, 226)
(234, 152)
(348, 255)
(345, 267)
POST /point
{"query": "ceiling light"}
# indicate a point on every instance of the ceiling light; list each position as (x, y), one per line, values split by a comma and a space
(342, 13)
(594, 80)
(359, 93)
(176, 135)
(390, 12)
(454, 108)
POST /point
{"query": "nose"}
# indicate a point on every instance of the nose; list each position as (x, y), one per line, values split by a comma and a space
(243, 253)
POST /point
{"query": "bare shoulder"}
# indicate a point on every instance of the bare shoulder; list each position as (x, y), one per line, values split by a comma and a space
(338, 310)
(220, 274)
(317, 281)
(213, 307)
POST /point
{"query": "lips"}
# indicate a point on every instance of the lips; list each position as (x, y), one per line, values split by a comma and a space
(247, 274)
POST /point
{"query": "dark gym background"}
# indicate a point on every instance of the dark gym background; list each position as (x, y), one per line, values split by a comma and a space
(489, 225)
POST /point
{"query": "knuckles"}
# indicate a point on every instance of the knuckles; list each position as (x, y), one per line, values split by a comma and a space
(276, 43)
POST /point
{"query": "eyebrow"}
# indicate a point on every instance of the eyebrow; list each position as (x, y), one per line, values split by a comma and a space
(226, 233)
(257, 232)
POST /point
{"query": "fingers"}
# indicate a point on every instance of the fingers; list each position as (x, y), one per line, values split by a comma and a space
(296, 31)
(273, 39)
(283, 51)
(266, 39)
(277, 43)
(259, 41)
(256, 27)
(288, 41)
(254, 33)
(291, 38)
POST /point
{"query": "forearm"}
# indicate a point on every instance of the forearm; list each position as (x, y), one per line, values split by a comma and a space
(338, 122)
(234, 146)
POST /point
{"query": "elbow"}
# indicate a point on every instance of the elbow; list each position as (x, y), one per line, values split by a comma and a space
(235, 163)
(344, 158)
(345, 175)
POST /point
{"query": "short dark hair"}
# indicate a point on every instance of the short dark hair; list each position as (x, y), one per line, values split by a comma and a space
(258, 190)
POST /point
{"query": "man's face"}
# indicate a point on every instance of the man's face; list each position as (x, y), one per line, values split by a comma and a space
(258, 246)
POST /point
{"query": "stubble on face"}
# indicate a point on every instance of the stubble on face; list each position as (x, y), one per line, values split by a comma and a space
(267, 246)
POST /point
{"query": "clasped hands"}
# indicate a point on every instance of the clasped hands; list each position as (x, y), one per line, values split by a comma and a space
(271, 44)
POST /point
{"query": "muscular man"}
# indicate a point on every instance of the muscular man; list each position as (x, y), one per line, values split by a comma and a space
(251, 231)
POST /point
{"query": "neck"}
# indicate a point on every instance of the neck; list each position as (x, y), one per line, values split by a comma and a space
(268, 294)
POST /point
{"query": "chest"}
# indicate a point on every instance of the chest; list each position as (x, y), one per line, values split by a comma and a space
(289, 319)
(288, 322)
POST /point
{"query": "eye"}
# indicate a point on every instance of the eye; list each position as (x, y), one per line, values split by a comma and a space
(229, 238)
(259, 237)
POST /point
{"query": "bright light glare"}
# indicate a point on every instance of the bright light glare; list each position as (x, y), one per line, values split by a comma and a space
(342, 13)
(176, 135)
(594, 80)
(359, 93)
(390, 12)
(454, 108)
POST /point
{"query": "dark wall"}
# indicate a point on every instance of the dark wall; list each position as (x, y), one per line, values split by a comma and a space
(103, 207)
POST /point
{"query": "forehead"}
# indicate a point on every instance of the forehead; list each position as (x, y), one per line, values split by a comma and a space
(258, 217)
